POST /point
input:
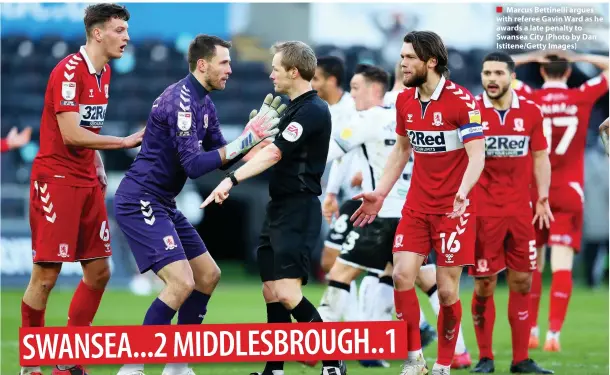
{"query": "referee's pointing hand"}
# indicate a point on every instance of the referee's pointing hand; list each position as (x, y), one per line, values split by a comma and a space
(219, 194)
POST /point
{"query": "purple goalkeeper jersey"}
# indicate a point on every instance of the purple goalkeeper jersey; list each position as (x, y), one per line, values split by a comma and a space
(181, 135)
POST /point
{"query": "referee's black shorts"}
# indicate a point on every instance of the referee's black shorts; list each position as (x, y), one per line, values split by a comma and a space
(289, 235)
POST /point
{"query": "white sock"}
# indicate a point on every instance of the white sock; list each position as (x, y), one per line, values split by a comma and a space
(415, 354)
(552, 335)
(383, 303)
(422, 318)
(535, 331)
(436, 305)
(366, 297)
(175, 368)
(128, 369)
(441, 367)
(460, 345)
(352, 312)
(334, 302)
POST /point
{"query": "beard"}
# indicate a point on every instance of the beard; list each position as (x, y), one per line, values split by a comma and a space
(499, 94)
(418, 78)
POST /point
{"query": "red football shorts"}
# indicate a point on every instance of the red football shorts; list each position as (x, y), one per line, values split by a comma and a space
(566, 203)
(68, 223)
(504, 242)
(452, 239)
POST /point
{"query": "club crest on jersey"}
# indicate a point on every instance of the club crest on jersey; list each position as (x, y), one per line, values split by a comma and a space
(205, 121)
(437, 119)
(519, 125)
(185, 120)
(409, 117)
(293, 132)
(63, 250)
(106, 90)
(169, 243)
(68, 90)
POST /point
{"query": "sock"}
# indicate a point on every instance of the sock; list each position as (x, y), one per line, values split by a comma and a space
(448, 326)
(159, 314)
(352, 311)
(334, 302)
(276, 313)
(305, 312)
(31, 317)
(193, 310)
(84, 305)
(535, 293)
(383, 301)
(366, 296)
(422, 318)
(483, 317)
(518, 307)
(407, 309)
(561, 291)
(433, 298)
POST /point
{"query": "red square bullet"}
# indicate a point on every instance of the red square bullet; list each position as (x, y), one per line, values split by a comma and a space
(498, 9)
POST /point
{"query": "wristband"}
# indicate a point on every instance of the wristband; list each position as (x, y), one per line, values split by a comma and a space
(231, 176)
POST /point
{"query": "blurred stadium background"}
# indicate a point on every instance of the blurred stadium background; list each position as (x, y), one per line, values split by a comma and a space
(36, 36)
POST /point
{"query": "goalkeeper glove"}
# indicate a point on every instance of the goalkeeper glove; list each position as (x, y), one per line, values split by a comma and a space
(263, 124)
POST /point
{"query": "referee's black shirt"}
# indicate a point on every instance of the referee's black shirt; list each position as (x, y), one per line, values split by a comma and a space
(303, 139)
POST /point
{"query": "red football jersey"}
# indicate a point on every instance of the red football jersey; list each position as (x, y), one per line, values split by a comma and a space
(567, 112)
(73, 86)
(504, 188)
(523, 89)
(438, 131)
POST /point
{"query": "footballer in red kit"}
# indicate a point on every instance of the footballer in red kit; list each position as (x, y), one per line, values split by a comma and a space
(505, 235)
(567, 112)
(440, 121)
(68, 216)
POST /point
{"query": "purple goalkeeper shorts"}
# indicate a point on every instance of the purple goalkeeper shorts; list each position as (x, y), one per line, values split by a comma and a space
(157, 233)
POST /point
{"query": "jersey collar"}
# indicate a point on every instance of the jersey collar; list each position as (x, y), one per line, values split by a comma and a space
(437, 90)
(199, 89)
(555, 85)
(90, 66)
(513, 104)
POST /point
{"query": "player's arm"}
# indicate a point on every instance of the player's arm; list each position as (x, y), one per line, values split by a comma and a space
(471, 133)
(603, 133)
(73, 135)
(214, 140)
(529, 57)
(601, 62)
(395, 165)
(337, 174)
(352, 134)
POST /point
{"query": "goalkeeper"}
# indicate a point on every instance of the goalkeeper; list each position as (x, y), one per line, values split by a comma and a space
(182, 139)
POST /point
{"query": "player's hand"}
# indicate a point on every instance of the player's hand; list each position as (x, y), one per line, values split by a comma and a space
(459, 205)
(543, 215)
(263, 123)
(357, 179)
(17, 140)
(603, 133)
(134, 140)
(330, 207)
(220, 194)
(102, 178)
(368, 210)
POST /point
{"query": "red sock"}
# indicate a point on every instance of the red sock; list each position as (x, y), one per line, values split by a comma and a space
(535, 292)
(518, 317)
(561, 291)
(448, 327)
(31, 317)
(484, 317)
(407, 309)
(84, 305)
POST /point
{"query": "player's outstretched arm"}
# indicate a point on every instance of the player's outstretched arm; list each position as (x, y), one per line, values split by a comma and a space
(603, 133)
(529, 57)
(475, 149)
(542, 173)
(74, 135)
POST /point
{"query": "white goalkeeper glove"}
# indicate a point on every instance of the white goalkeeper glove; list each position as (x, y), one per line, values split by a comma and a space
(263, 124)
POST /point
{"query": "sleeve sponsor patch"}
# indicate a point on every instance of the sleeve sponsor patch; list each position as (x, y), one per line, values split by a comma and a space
(293, 132)
(346, 133)
(185, 121)
(68, 90)
(474, 116)
(67, 103)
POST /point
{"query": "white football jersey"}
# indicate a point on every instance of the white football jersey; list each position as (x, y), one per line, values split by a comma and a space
(345, 108)
(389, 100)
(374, 132)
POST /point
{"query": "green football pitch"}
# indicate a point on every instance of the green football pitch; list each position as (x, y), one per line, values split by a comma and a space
(238, 300)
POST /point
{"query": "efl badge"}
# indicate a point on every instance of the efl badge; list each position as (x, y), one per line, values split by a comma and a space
(63, 250)
(68, 90)
(184, 123)
(474, 117)
(205, 121)
(106, 90)
(519, 125)
(169, 243)
(438, 119)
(293, 132)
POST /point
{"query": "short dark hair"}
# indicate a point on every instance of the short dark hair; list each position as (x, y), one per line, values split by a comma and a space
(501, 57)
(100, 13)
(204, 47)
(556, 67)
(332, 66)
(374, 73)
(427, 45)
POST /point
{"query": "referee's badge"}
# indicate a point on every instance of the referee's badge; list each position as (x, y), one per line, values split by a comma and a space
(293, 132)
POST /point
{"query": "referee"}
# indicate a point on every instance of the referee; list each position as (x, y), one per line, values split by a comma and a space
(294, 217)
